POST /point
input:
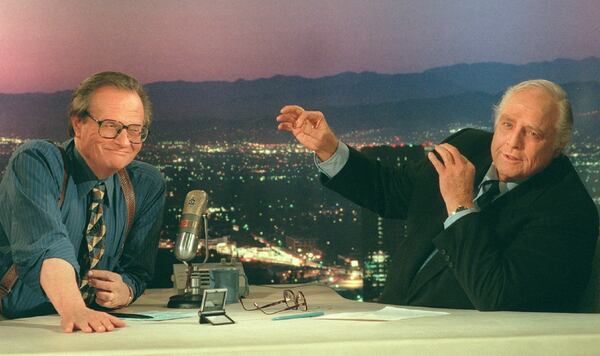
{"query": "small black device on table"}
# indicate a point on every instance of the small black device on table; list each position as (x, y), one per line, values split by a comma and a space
(212, 309)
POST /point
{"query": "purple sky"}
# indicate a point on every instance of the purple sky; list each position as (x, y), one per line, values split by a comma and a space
(48, 45)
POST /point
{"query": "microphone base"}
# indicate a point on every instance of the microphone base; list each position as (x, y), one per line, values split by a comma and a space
(185, 301)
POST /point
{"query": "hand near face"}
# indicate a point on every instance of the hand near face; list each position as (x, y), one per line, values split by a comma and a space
(310, 129)
(111, 291)
(456, 176)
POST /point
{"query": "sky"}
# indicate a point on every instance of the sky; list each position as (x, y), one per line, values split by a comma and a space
(50, 45)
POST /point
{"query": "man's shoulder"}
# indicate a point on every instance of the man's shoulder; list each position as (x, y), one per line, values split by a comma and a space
(42, 146)
(142, 172)
(558, 187)
(561, 173)
(38, 150)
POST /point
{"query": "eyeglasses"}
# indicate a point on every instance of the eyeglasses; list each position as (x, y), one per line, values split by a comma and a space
(112, 129)
(292, 301)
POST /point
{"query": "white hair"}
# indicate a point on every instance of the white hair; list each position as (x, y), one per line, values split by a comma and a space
(564, 124)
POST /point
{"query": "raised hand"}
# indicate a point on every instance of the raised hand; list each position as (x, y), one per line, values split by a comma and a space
(310, 129)
(456, 174)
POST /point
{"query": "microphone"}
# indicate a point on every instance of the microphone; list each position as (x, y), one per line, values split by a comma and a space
(186, 246)
(194, 207)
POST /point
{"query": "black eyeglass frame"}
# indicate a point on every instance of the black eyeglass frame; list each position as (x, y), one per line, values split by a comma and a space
(291, 300)
(143, 129)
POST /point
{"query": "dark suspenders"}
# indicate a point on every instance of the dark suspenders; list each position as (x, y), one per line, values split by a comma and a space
(10, 277)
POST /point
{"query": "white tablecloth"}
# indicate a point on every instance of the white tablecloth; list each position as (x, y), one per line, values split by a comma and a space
(462, 332)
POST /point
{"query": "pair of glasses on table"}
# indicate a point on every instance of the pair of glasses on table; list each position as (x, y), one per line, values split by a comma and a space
(291, 301)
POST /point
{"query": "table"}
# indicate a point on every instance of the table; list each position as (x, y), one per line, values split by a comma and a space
(462, 332)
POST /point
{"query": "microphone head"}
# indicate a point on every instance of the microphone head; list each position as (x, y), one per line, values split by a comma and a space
(186, 245)
(196, 202)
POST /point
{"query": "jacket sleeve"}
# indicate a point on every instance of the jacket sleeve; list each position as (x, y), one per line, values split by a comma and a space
(384, 190)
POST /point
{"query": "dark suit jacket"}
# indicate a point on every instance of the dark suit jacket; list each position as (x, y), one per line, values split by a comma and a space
(531, 249)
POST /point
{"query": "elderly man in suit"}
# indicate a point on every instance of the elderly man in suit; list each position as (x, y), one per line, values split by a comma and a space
(495, 221)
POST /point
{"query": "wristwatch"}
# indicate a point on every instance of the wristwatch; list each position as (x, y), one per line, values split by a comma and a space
(459, 209)
(130, 299)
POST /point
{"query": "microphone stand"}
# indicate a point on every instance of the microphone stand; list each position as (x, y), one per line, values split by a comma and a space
(188, 299)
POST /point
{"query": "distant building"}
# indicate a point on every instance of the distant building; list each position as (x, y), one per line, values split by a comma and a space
(379, 236)
(303, 245)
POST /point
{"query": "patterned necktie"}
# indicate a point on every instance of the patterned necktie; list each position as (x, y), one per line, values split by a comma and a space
(493, 189)
(94, 237)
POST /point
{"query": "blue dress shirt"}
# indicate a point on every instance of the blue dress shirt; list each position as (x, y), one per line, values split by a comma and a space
(33, 228)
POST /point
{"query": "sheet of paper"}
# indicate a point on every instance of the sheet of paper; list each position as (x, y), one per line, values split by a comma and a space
(158, 315)
(386, 314)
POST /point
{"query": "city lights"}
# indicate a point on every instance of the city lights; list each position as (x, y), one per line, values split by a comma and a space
(267, 209)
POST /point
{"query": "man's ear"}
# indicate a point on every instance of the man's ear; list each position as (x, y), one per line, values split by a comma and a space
(76, 123)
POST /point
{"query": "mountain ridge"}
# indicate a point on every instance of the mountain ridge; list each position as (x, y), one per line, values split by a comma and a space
(221, 110)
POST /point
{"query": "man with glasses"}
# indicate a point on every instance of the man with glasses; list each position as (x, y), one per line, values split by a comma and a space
(67, 243)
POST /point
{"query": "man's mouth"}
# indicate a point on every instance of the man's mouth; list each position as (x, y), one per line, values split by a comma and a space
(510, 158)
(118, 151)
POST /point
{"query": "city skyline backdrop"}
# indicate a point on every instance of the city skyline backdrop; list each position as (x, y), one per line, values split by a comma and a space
(51, 45)
(265, 201)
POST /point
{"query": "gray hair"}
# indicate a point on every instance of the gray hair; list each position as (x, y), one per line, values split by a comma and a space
(564, 124)
(80, 101)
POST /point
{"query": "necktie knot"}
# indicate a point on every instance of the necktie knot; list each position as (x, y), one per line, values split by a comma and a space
(98, 193)
(491, 189)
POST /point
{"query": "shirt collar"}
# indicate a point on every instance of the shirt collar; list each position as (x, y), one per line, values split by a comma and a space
(492, 174)
(83, 176)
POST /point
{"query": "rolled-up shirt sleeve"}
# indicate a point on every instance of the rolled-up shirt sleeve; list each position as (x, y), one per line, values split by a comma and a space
(31, 216)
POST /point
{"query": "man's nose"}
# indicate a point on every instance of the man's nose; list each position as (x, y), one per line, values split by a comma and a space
(515, 139)
(122, 137)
